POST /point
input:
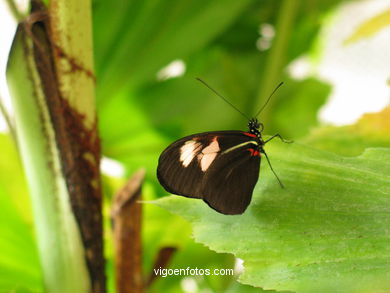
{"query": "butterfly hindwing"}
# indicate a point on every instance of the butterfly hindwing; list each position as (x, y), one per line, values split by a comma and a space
(220, 167)
(228, 185)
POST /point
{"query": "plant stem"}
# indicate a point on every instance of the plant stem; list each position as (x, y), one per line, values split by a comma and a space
(277, 56)
(126, 217)
(50, 74)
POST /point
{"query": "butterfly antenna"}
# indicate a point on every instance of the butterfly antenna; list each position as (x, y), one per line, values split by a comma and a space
(269, 98)
(222, 97)
(269, 163)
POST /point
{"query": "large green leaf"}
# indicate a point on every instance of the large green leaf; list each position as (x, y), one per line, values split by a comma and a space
(161, 230)
(326, 232)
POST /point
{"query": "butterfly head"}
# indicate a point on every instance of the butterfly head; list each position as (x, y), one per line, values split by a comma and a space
(255, 127)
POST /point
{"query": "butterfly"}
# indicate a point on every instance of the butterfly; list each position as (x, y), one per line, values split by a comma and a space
(220, 167)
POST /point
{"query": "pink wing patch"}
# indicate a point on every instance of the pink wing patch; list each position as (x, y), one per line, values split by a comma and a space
(208, 154)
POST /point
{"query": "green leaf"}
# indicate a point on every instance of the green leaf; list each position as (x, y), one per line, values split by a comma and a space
(327, 231)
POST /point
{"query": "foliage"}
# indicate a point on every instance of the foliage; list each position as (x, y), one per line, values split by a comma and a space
(330, 223)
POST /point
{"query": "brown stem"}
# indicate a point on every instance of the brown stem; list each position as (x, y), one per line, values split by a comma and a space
(163, 259)
(126, 215)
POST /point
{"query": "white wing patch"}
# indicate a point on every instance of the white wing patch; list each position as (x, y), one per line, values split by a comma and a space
(191, 149)
(208, 154)
(188, 151)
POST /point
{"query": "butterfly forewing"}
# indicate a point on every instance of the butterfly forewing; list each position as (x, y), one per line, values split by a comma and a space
(220, 167)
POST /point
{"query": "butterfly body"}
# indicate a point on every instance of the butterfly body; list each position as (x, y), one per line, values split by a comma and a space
(220, 167)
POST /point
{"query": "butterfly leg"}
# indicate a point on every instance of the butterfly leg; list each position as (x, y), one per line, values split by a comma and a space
(279, 136)
(272, 169)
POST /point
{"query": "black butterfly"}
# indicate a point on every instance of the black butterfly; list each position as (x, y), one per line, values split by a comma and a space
(220, 167)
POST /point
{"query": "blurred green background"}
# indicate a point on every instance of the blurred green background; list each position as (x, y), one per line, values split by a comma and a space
(147, 56)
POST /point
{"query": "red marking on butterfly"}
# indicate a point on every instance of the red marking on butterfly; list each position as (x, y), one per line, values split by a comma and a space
(250, 134)
(254, 152)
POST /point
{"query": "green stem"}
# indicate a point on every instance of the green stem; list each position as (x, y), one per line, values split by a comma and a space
(51, 81)
(58, 238)
(277, 55)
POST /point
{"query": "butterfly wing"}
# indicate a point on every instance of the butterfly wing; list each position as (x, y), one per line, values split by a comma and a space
(228, 185)
(178, 169)
(220, 167)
